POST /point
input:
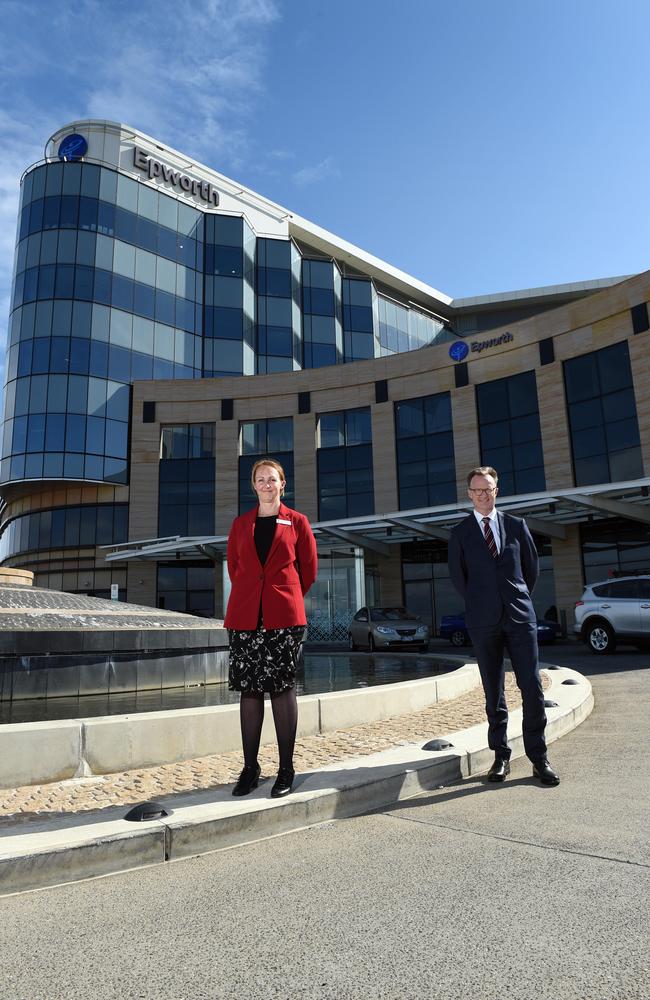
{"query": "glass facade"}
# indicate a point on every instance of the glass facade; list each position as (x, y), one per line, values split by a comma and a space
(429, 592)
(116, 281)
(359, 308)
(614, 546)
(186, 480)
(265, 439)
(108, 289)
(321, 313)
(602, 416)
(278, 306)
(511, 439)
(186, 587)
(426, 472)
(344, 457)
(229, 344)
(404, 329)
(80, 526)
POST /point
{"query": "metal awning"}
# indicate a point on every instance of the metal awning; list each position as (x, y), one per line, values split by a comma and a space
(546, 513)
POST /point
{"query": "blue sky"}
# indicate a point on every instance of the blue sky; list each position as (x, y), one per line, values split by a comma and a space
(479, 146)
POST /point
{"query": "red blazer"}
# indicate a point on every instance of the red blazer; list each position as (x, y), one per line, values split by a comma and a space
(288, 573)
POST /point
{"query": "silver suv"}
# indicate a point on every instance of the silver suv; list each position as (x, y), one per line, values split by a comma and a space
(614, 611)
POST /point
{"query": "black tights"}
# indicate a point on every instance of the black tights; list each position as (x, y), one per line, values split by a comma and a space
(285, 717)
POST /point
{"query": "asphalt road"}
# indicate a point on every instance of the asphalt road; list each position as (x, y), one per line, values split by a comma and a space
(512, 892)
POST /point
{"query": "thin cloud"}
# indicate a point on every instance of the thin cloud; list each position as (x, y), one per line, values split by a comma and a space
(190, 73)
(314, 174)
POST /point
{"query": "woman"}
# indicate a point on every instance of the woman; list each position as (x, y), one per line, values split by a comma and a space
(272, 564)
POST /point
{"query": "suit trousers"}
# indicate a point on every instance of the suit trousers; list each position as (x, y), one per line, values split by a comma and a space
(519, 640)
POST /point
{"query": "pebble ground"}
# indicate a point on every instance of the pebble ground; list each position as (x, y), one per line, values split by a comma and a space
(88, 795)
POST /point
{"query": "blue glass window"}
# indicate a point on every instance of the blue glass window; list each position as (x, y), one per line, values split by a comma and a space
(602, 416)
(345, 467)
(510, 433)
(186, 480)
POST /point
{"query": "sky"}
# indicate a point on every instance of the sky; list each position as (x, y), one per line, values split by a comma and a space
(479, 146)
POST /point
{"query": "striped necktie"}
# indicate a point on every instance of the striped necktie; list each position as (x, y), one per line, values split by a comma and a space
(489, 538)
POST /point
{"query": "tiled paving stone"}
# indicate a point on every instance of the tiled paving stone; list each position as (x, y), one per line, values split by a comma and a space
(87, 795)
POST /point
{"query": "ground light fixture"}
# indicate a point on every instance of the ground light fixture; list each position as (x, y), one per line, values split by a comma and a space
(438, 745)
(145, 811)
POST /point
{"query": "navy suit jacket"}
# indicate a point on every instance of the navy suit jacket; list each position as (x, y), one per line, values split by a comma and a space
(491, 586)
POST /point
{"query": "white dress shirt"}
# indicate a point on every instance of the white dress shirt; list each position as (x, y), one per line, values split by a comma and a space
(494, 524)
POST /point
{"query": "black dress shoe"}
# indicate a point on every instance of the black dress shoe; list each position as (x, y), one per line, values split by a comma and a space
(283, 782)
(499, 769)
(247, 780)
(543, 770)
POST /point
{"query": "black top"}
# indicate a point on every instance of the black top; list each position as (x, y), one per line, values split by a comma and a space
(264, 532)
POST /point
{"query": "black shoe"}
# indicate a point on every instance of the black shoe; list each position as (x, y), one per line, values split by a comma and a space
(543, 770)
(247, 780)
(499, 769)
(283, 782)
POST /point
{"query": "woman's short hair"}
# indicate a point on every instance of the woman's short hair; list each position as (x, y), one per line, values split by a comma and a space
(274, 465)
(483, 470)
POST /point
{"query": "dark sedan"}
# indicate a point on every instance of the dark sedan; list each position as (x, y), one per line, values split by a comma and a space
(452, 627)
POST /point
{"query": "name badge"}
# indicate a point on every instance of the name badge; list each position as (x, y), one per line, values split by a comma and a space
(280, 520)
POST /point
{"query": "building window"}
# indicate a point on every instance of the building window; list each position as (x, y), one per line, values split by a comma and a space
(321, 313)
(265, 439)
(403, 329)
(278, 306)
(614, 547)
(511, 439)
(345, 476)
(186, 476)
(229, 344)
(358, 319)
(61, 527)
(426, 472)
(602, 417)
(186, 587)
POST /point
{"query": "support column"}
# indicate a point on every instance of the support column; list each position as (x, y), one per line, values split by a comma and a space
(304, 464)
(554, 426)
(384, 458)
(390, 577)
(467, 448)
(567, 570)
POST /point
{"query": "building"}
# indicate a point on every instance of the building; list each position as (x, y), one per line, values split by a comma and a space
(169, 327)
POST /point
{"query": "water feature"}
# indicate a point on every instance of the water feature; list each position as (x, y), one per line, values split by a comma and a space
(319, 673)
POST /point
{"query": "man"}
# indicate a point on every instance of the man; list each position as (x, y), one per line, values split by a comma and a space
(494, 566)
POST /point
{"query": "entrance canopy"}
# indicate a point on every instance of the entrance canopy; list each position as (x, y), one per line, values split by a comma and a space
(546, 513)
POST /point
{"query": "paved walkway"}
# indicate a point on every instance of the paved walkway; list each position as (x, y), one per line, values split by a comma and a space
(86, 795)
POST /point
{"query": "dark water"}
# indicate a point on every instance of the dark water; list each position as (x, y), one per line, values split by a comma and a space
(318, 674)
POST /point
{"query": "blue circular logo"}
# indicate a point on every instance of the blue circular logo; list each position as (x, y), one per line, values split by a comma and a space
(458, 351)
(73, 147)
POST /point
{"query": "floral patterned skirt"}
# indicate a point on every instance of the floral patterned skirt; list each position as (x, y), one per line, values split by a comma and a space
(264, 659)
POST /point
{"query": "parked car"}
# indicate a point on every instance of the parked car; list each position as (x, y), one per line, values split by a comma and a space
(387, 628)
(452, 627)
(613, 611)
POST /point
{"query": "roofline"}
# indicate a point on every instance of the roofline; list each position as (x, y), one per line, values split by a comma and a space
(335, 246)
(299, 227)
(540, 293)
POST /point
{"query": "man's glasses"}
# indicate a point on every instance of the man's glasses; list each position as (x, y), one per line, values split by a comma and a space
(482, 492)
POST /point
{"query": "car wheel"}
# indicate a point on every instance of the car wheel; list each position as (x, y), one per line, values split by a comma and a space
(601, 638)
(351, 643)
(371, 644)
(458, 638)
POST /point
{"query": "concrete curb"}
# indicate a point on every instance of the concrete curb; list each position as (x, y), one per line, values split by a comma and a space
(33, 858)
(37, 753)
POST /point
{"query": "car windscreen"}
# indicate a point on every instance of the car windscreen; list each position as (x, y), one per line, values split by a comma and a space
(391, 615)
